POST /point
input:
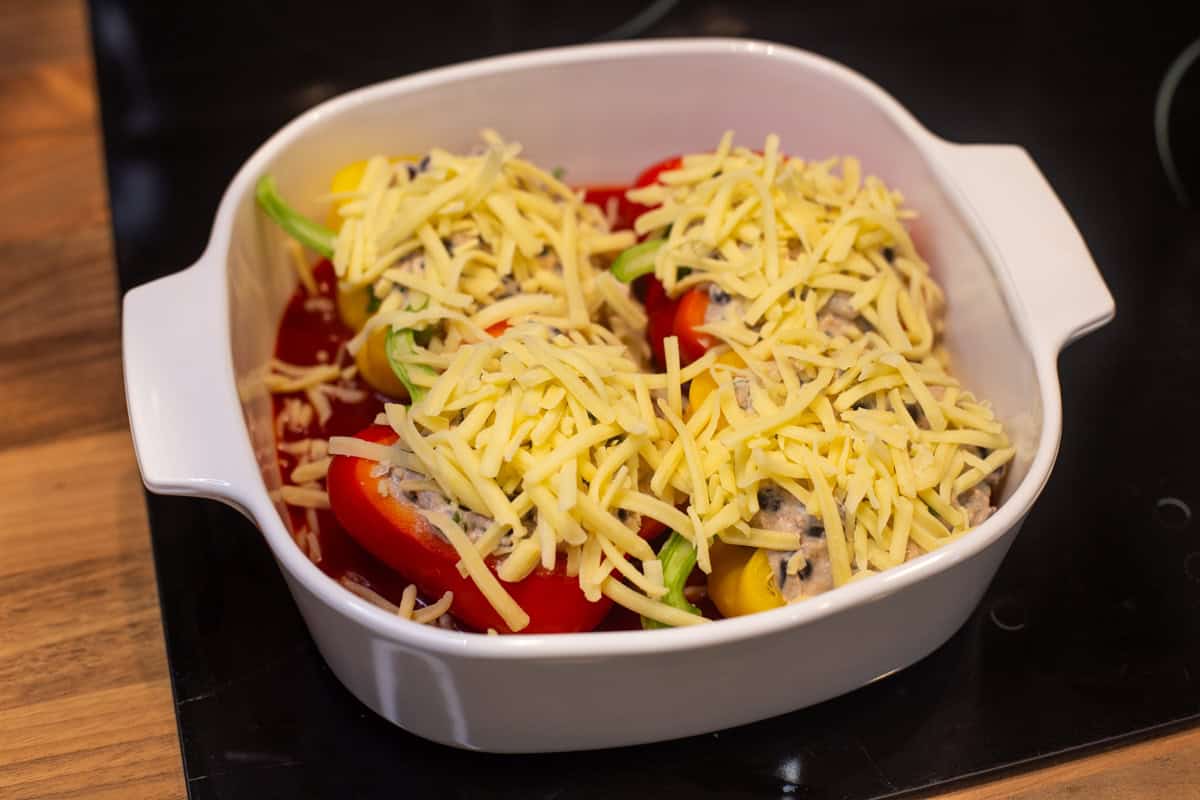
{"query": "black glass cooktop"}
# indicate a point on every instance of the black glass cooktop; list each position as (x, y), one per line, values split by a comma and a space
(1090, 633)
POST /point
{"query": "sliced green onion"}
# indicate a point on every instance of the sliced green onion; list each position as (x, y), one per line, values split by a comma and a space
(678, 558)
(373, 302)
(399, 343)
(637, 260)
(313, 235)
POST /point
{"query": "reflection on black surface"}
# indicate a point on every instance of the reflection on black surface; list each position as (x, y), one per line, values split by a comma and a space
(1177, 123)
(1091, 629)
(115, 37)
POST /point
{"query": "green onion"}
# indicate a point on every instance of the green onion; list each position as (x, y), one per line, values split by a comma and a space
(400, 343)
(678, 558)
(313, 235)
(637, 260)
(373, 302)
(403, 342)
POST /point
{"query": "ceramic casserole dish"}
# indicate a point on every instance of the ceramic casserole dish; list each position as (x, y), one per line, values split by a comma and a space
(1019, 281)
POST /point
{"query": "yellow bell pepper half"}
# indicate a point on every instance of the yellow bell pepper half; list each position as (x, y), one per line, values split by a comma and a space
(704, 384)
(741, 581)
(353, 306)
(347, 179)
(373, 365)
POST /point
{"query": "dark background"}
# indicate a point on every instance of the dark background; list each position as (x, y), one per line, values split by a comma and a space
(1090, 633)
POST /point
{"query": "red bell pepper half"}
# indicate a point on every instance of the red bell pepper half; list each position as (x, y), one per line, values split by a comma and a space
(649, 175)
(689, 315)
(402, 539)
(660, 309)
(660, 323)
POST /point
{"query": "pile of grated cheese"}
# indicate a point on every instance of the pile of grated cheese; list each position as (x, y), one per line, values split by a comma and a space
(860, 422)
(472, 241)
(835, 424)
(551, 434)
(782, 237)
(554, 430)
(461, 243)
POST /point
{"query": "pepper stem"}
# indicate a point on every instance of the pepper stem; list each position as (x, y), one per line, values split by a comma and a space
(313, 235)
(678, 558)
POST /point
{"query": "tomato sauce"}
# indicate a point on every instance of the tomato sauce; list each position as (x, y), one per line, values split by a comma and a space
(626, 212)
(312, 333)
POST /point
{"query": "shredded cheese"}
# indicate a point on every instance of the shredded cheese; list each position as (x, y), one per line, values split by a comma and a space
(539, 414)
(304, 497)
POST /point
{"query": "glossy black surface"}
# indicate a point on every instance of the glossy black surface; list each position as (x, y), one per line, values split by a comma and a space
(1091, 630)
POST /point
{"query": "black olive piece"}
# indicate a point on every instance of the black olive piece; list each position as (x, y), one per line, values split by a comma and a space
(768, 500)
(889, 254)
(817, 532)
(783, 576)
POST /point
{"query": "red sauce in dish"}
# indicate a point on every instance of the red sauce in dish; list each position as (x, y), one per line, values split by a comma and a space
(312, 333)
(602, 196)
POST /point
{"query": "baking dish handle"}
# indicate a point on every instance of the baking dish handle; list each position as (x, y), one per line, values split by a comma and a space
(179, 388)
(1044, 254)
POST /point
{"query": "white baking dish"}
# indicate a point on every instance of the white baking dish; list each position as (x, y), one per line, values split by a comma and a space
(1020, 282)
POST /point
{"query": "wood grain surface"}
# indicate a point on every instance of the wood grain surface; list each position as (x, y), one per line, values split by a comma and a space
(85, 703)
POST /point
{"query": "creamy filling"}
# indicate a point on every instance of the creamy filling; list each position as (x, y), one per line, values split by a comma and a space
(416, 490)
(977, 503)
(722, 305)
(839, 318)
(780, 511)
(413, 489)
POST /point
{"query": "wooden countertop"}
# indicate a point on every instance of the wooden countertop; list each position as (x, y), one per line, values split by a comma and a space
(85, 702)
